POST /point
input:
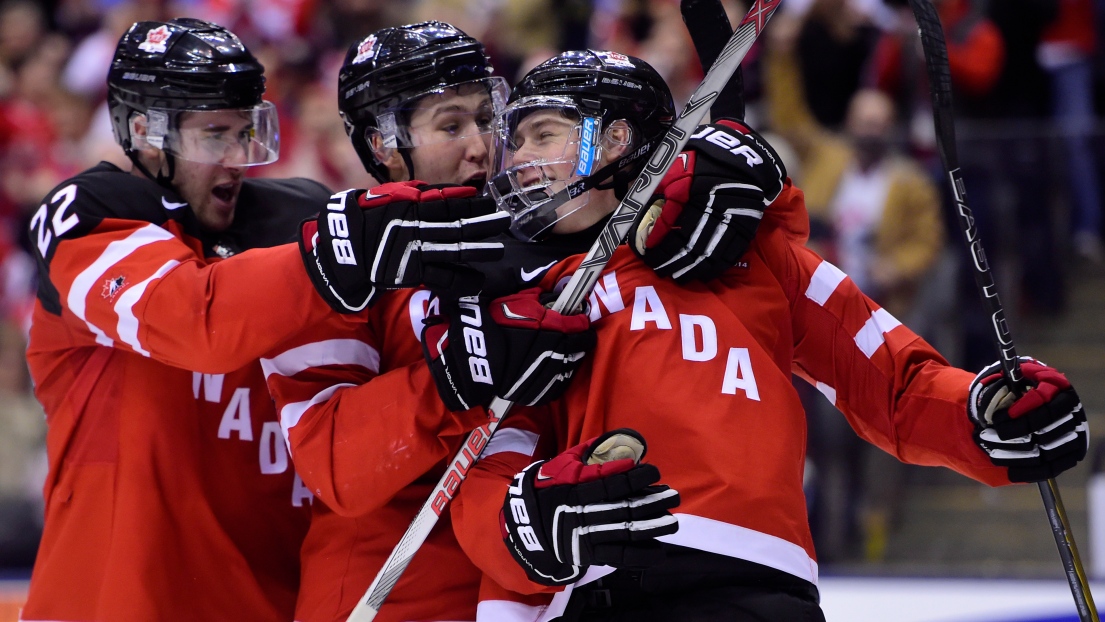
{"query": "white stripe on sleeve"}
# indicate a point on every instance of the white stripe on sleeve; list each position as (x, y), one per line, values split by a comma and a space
(292, 413)
(113, 254)
(321, 353)
(826, 278)
(124, 308)
(870, 337)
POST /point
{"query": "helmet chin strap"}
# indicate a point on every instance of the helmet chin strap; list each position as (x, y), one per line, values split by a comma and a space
(405, 152)
(165, 181)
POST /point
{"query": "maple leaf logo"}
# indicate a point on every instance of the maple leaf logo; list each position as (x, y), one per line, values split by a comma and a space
(112, 287)
(155, 40)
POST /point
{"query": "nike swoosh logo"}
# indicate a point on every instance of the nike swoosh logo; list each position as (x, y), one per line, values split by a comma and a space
(683, 157)
(532, 274)
(170, 205)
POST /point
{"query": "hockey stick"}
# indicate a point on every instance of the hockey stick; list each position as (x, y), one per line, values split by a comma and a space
(571, 297)
(710, 29)
(936, 58)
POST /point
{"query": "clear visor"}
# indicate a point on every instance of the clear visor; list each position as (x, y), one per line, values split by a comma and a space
(442, 114)
(227, 137)
(542, 145)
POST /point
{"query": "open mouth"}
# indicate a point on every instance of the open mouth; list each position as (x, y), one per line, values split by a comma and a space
(476, 181)
(225, 192)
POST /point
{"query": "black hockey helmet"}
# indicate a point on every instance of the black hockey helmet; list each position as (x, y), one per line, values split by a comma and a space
(162, 68)
(593, 88)
(388, 72)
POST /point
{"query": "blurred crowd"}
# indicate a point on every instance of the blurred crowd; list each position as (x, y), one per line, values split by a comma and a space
(839, 87)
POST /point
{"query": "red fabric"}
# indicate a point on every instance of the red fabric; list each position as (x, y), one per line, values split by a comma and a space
(975, 63)
(1048, 383)
(414, 191)
(769, 321)
(307, 233)
(169, 495)
(371, 452)
(569, 468)
(528, 312)
(675, 187)
(1075, 25)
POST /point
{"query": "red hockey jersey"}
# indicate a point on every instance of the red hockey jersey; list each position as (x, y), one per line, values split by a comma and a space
(170, 495)
(370, 437)
(703, 371)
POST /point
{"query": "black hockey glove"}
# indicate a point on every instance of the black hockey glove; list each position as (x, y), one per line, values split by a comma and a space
(514, 348)
(399, 235)
(710, 203)
(1037, 435)
(593, 504)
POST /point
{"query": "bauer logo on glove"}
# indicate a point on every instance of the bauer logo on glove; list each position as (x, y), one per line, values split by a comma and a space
(593, 504)
(709, 204)
(397, 235)
(513, 347)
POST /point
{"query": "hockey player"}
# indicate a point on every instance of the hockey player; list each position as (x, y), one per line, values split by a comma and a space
(366, 428)
(704, 372)
(170, 495)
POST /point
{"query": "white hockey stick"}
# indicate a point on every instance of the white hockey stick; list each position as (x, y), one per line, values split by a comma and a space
(572, 296)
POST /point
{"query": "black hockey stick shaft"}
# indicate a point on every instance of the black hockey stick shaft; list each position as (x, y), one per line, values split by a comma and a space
(710, 30)
(936, 59)
(570, 299)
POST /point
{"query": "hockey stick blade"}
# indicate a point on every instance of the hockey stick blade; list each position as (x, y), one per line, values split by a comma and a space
(710, 30)
(939, 71)
(571, 297)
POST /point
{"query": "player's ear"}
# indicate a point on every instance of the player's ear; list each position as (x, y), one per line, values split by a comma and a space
(150, 156)
(616, 140)
(389, 157)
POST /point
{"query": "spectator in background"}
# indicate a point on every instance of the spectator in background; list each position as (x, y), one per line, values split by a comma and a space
(1066, 52)
(877, 212)
(834, 43)
(976, 57)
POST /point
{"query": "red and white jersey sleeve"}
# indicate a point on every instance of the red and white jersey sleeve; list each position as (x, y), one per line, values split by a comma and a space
(358, 436)
(121, 270)
(370, 438)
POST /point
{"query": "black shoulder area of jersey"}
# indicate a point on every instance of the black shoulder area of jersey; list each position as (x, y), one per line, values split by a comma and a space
(269, 212)
(524, 264)
(106, 191)
(79, 204)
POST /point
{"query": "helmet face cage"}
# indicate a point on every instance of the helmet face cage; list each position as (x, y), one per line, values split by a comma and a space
(618, 92)
(542, 145)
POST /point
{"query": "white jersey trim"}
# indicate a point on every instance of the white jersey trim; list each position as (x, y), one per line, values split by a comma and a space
(507, 611)
(827, 391)
(322, 353)
(114, 253)
(713, 536)
(124, 308)
(292, 413)
(870, 337)
(826, 278)
(513, 440)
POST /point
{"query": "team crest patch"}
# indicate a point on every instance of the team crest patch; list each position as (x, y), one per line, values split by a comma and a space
(155, 40)
(113, 286)
(615, 59)
(366, 50)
